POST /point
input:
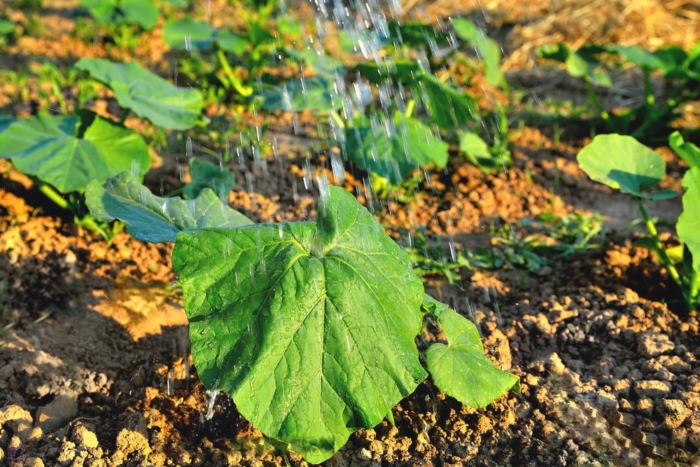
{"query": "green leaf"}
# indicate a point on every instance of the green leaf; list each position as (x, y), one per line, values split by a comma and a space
(477, 151)
(230, 42)
(6, 27)
(257, 34)
(688, 226)
(417, 34)
(672, 59)
(297, 95)
(401, 71)
(177, 34)
(51, 148)
(449, 107)
(319, 62)
(394, 156)
(689, 152)
(623, 163)
(637, 55)
(488, 49)
(661, 195)
(309, 327)
(145, 93)
(460, 369)
(579, 64)
(207, 175)
(5, 122)
(150, 218)
(141, 12)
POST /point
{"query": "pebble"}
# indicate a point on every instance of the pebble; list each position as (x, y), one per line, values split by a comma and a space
(18, 420)
(652, 388)
(674, 412)
(654, 344)
(56, 413)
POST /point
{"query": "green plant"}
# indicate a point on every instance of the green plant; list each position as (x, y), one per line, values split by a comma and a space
(622, 163)
(146, 94)
(7, 32)
(649, 120)
(64, 153)
(309, 326)
(123, 19)
(528, 244)
(486, 48)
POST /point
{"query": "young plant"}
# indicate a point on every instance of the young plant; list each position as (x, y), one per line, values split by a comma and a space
(651, 118)
(251, 49)
(622, 163)
(146, 94)
(309, 326)
(123, 19)
(65, 153)
(7, 32)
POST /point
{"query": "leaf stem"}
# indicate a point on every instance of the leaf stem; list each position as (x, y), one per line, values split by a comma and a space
(244, 91)
(409, 107)
(53, 195)
(125, 113)
(660, 250)
(339, 121)
(694, 293)
(594, 99)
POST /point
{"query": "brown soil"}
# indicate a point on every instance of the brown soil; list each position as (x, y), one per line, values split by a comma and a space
(96, 371)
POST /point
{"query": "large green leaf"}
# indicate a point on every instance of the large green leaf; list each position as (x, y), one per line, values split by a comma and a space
(141, 12)
(449, 107)
(488, 49)
(622, 163)
(147, 94)
(689, 152)
(150, 218)
(52, 148)
(207, 175)
(688, 226)
(394, 156)
(309, 327)
(5, 122)
(302, 94)
(179, 34)
(460, 369)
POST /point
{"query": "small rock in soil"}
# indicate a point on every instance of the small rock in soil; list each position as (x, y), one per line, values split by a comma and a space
(653, 344)
(16, 419)
(674, 412)
(56, 413)
(652, 389)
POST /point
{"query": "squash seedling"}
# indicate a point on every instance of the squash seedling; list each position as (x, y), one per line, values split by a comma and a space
(624, 164)
(309, 326)
(651, 119)
(123, 20)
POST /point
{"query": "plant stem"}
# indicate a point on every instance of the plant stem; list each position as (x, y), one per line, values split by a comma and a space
(660, 250)
(409, 107)
(339, 121)
(594, 99)
(53, 195)
(648, 93)
(125, 113)
(235, 82)
(694, 293)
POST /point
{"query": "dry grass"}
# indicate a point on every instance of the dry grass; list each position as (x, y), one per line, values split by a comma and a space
(532, 23)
